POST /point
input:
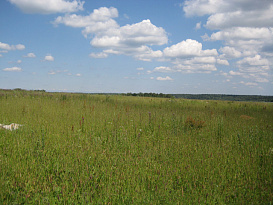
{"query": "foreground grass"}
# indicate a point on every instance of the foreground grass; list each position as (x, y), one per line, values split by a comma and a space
(87, 149)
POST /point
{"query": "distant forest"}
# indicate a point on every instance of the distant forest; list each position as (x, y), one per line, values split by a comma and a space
(254, 98)
(156, 95)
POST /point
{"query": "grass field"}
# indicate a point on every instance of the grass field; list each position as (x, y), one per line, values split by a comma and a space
(97, 149)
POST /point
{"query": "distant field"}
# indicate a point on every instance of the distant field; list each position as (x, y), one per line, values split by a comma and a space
(101, 149)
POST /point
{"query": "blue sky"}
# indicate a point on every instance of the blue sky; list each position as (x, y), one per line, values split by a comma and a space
(120, 46)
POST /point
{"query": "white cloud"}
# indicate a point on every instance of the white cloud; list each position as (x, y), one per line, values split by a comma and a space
(253, 64)
(101, 15)
(98, 55)
(183, 49)
(163, 69)
(19, 61)
(222, 62)
(198, 26)
(255, 61)
(30, 55)
(140, 68)
(243, 33)
(101, 27)
(101, 24)
(78, 74)
(20, 47)
(164, 79)
(49, 58)
(5, 46)
(188, 67)
(234, 73)
(191, 65)
(246, 29)
(261, 80)
(49, 6)
(188, 48)
(202, 7)
(230, 52)
(133, 36)
(13, 69)
(246, 40)
(189, 57)
(149, 54)
(210, 7)
(201, 60)
(52, 73)
(143, 33)
(132, 39)
(8, 47)
(255, 68)
(251, 84)
(241, 18)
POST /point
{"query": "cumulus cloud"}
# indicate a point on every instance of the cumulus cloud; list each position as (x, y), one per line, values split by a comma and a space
(163, 69)
(184, 49)
(243, 33)
(98, 17)
(30, 55)
(8, 47)
(241, 18)
(210, 7)
(186, 67)
(49, 6)
(191, 65)
(189, 57)
(49, 58)
(254, 68)
(148, 54)
(222, 62)
(164, 79)
(13, 69)
(134, 36)
(188, 48)
(253, 64)
(234, 73)
(132, 39)
(230, 52)
(246, 29)
(244, 25)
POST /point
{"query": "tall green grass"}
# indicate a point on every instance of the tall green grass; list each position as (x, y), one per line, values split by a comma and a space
(96, 149)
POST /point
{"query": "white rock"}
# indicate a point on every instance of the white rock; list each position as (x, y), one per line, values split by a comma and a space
(12, 126)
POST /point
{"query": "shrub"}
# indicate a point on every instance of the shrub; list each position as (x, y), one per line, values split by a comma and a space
(194, 124)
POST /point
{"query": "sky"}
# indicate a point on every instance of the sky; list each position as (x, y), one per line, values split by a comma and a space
(121, 46)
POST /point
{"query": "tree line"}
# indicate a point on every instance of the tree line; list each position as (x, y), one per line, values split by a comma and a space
(159, 95)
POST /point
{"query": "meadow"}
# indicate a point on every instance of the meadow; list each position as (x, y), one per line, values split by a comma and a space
(99, 149)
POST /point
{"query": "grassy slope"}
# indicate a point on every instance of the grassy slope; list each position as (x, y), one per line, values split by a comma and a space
(79, 148)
